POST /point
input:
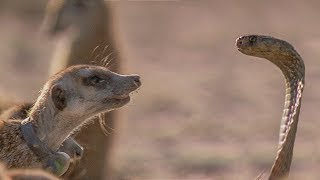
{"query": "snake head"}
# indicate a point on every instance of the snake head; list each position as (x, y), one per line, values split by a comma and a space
(264, 46)
(58, 163)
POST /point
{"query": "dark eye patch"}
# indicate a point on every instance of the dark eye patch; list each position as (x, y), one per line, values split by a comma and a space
(96, 79)
(93, 80)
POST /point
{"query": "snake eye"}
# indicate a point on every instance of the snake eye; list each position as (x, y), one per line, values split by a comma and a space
(252, 39)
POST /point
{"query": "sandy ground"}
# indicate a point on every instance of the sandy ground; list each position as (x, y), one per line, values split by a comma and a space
(205, 111)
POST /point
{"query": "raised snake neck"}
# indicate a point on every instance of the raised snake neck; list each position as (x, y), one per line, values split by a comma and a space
(283, 55)
(294, 72)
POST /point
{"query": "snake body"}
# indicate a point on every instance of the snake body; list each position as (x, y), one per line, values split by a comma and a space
(283, 55)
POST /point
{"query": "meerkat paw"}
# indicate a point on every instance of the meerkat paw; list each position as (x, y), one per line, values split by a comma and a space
(58, 163)
(73, 149)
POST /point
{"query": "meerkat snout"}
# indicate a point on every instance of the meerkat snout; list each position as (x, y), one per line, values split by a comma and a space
(136, 80)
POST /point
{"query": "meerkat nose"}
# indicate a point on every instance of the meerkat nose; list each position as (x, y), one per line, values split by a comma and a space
(136, 80)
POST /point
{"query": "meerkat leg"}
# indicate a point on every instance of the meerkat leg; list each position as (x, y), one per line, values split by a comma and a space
(69, 146)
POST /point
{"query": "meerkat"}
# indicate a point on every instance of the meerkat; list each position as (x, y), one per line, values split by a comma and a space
(5, 104)
(87, 33)
(17, 111)
(68, 101)
(24, 174)
(69, 146)
(3, 174)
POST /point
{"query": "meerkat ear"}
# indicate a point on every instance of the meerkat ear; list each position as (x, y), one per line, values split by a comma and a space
(58, 97)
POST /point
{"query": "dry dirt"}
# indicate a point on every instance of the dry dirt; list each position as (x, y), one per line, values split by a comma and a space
(205, 111)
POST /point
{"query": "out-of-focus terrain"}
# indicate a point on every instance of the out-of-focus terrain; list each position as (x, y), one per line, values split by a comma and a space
(205, 111)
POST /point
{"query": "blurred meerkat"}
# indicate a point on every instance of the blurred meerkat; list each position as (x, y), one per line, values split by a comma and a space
(3, 175)
(86, 34)
(5, 104)
(24, 174)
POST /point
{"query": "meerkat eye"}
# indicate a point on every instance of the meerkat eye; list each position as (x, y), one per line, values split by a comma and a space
(95, 80)
(78, 4)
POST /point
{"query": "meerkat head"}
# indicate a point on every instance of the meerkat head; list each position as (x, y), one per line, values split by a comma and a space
(86, 91)
(74, 96)
(78, 14)
(81, 92)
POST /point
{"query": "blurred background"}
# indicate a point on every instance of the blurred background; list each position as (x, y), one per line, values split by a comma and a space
(205, 111)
